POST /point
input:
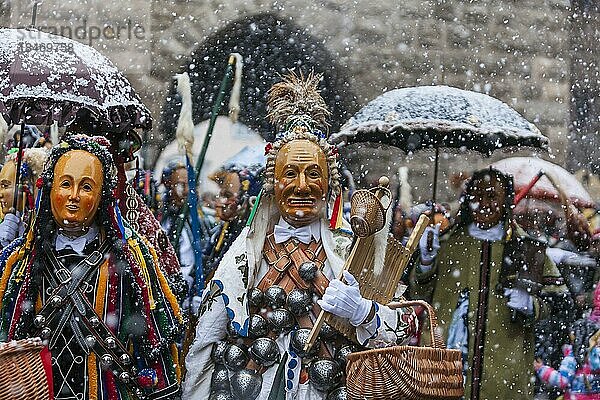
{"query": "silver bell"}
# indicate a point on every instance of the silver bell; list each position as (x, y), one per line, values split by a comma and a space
(111, 342)
(125, 377)
(45, 333)
(39, 321)
(218, 352)
(342, 353)
(299, 301)
(246, 384)
(220, 379)
(337, 394)
(256, 297)
(308, 271)
(221, 395)
(56, 301)
(236, 357)
(258, 326)
(90, 341)
(231, 331)
(327, 332)
(281, 320)
(107, 360)
(264, 351)
(275, 297)
(298, 340)
(95, 322)
(324, 374)
(125, 359)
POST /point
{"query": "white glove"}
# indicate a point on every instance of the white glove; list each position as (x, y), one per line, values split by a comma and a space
(427, 256)
(345, 300)
(10, 228)
(519, 300)
(196, 302)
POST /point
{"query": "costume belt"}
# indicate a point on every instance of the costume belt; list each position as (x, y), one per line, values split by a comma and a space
(68, 304)
(286, 259)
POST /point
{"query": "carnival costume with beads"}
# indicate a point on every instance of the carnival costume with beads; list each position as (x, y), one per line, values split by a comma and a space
(108, 314)
(258, 309)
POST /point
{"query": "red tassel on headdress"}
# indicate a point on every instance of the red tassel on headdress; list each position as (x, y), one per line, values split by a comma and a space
(336, 216)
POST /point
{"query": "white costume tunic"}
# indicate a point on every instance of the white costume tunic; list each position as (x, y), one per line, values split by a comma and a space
(224, 300)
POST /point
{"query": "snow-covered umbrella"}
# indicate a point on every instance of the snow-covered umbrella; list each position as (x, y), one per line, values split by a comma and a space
(46, 78)
(523, 169)
(434, 117)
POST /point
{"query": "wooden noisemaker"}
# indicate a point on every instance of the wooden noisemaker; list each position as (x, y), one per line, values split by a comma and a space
(378, 283)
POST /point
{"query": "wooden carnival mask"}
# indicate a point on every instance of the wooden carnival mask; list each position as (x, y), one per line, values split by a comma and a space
(487, 197)
(178, 187)
(229, 194)
(76, 191)
(7, 185)
(301, 182)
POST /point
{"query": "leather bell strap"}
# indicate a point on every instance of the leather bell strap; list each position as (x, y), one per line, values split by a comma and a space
(66, 284)
(90, 331)
(286, 259)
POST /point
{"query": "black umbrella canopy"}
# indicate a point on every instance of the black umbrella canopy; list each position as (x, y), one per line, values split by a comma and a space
(46, 78)
(440, 117)
(269, 45)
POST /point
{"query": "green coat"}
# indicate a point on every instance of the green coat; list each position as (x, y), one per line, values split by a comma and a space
(509, 346)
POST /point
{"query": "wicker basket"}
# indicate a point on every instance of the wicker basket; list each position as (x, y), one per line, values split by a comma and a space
(25, 371)
(406, 372)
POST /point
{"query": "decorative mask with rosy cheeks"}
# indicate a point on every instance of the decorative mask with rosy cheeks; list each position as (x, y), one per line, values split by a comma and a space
(301, 182)
(76, 191)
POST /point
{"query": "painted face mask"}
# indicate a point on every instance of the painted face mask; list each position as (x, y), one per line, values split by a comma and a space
(178, 187)
(301, 182)
(486, 201)
(7, 186)
(76, 191)
(229, 194)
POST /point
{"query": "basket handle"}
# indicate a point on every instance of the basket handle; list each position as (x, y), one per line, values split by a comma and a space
(436, 339)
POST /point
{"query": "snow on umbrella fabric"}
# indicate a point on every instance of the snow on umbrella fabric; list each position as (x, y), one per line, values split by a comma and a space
(440, 117)
(437, 117)
(523, 169)
(46, 78)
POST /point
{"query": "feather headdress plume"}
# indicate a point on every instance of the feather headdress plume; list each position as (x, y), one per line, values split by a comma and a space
(185, 126)
(295, 103)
